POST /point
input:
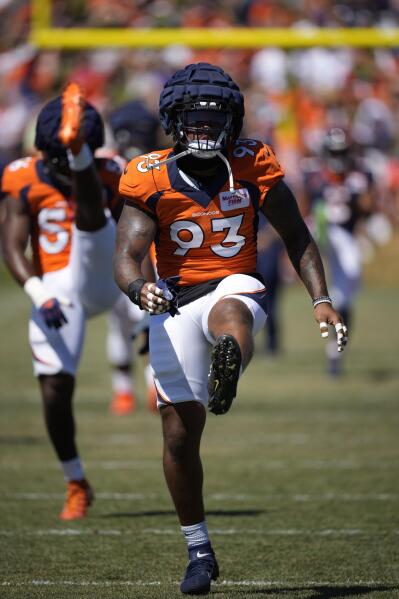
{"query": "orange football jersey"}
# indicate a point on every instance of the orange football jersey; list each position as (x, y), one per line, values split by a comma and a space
(204, 232)
(51, 209)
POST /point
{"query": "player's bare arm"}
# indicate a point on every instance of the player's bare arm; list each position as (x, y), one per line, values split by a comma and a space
(281, 209)
(135, 233)
(15, 236)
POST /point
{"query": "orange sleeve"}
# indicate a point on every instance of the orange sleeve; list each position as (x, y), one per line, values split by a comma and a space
(138, 187)
(268, 171)
(17, 176)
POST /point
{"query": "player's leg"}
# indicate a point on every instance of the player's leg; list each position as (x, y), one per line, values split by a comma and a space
(344, 262)
(268, 265)
(57, 394)
(91, 266)
(235, 315)
(125, 322)
(119, 353)
(179, 356)
(182, 426)
(89, 215)
(93, 237)
(56, 355)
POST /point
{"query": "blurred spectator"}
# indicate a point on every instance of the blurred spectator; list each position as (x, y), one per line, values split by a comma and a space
(292, 97)
(135, 129)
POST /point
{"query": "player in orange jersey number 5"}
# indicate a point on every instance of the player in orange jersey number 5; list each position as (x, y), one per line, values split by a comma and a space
(200, 200)
(57, 202)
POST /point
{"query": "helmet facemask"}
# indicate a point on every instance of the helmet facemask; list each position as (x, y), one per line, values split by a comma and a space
(203, 127)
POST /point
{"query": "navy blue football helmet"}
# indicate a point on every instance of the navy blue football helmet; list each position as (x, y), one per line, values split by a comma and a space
(203, 108)
(48, 124)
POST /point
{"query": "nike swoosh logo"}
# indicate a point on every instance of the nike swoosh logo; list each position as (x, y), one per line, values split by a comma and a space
(202, 554)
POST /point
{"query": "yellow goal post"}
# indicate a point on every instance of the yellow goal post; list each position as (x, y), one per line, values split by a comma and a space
(44, 35)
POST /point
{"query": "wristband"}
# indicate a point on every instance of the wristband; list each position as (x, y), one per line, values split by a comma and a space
(134, 291)
(323, 299)
(80, 161)
(37, 291)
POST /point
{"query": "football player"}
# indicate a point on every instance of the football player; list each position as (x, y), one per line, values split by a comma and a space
(134, 130)
(199, 201)
(125, 323)
(57, 203)
(340, 192)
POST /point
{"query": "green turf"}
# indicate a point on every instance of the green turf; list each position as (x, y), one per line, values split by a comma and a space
(301, 477)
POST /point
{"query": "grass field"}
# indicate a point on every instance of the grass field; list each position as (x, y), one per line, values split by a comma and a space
(301, 487)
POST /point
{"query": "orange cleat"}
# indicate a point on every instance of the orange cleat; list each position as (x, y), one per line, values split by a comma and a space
(72, 112)
(79, 496)
(152, 399)
(123, 403)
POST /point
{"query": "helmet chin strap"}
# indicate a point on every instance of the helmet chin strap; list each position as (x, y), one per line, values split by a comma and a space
(230, 172)
(195, 154)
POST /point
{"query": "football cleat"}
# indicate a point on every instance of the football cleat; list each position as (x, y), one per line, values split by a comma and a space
(223, 374)
(123, 403)
(73, 105)
(201, 569)
(79, 496)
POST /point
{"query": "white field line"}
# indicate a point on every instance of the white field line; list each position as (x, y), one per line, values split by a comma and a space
(222, 583)
(281, 532)
(255, 464)
(239, 497)
(94, 465)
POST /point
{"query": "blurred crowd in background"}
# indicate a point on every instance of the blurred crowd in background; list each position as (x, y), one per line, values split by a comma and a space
(292, 97)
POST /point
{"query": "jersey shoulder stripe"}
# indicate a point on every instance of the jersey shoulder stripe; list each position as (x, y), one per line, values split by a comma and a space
(18, 175)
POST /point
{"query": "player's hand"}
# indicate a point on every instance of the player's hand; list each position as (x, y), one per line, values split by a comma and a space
(152, 299)
(52, 313)
(325, 315)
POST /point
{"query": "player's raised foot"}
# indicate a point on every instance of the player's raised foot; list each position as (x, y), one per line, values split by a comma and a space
(71, 117)
(79, 497)
(201, 569)
(223, 374)
(123, 403)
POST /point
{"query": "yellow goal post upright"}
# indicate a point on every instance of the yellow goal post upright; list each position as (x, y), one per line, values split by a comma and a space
(44, 35)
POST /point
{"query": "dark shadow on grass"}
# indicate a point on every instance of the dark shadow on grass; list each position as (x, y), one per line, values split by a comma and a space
(382, 374)
(151, 513)
(14, 440)
(315, 592)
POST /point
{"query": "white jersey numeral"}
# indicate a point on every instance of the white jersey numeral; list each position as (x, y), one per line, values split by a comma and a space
(20, 163)
(48, 224)
(234, 240)
(196, 240)
(241, 148)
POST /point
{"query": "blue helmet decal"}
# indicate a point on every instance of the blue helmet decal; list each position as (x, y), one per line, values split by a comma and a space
(196, 82)
(48, 124)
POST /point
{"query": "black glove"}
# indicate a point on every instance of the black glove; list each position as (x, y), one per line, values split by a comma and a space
(52, 313)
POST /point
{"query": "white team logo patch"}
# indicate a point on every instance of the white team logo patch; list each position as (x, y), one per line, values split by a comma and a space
(239, 198)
